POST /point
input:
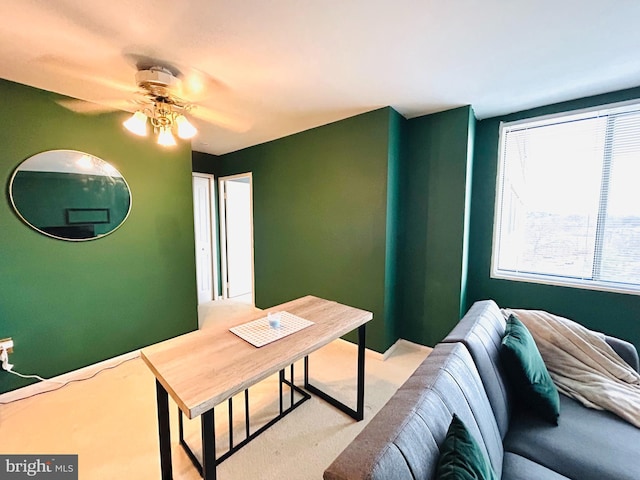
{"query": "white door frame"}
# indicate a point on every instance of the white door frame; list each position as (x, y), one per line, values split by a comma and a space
(212, 226)
(223, 233)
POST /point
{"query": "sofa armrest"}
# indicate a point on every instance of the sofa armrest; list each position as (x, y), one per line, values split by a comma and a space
(626, 351)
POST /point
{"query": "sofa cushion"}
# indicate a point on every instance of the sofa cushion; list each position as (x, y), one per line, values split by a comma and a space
(481, 331)
(587, 445)
(403, 440)
(461, 457)
(516, 467)
(526, 371)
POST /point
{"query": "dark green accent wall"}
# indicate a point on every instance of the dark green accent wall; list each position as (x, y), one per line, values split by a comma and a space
(435, 191)
(321, 200)
(613, 313)
(65, 304)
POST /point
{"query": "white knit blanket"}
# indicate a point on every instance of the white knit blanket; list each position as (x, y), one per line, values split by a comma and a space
(582, 365)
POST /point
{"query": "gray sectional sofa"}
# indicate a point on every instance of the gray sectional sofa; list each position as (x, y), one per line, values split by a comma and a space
(463, 375)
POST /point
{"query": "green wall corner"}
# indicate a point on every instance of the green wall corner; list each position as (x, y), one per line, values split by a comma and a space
(381, 205)
(436, 187)
(464, 277)
(396, 152)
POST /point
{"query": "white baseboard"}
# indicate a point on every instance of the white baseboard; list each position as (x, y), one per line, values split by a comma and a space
(373, 353)
(400, 342)
(391, 349)
(54, 383)
(384, 356)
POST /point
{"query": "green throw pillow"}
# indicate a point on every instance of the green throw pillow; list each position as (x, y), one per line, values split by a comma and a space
(527, 373)
(461, 458)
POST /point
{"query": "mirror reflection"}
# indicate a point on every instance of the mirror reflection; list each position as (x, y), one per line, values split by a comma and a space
(70, 195)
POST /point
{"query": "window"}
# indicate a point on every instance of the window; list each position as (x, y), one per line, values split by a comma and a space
(568, 200)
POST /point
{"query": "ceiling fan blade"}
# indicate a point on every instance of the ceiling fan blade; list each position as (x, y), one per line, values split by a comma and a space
(84, 73)
(196, 85)
(91, 108)
(230, 122)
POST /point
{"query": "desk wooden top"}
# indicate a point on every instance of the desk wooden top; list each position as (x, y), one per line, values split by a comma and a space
(203, 368)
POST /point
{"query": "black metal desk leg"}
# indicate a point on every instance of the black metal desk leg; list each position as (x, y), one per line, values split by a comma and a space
(208, 446)
(358, 413)
(361, 344)
(164, 432)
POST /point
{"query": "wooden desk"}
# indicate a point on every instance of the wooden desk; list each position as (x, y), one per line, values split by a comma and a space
(201, 369)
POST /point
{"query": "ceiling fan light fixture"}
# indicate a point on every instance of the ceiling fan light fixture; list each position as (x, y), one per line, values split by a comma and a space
(166, 138)
(137, 124)
(186, 130)
(162, 106)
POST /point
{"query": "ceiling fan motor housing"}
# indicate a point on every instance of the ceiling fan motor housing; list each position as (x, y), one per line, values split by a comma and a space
(156, 77)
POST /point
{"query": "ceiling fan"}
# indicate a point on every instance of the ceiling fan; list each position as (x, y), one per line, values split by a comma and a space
(164, 98)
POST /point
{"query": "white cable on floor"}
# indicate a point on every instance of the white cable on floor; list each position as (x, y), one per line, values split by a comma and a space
(34, 376)
(8, 367)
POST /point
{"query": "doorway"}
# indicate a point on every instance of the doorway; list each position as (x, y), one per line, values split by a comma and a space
(204, 220)
(236, 237)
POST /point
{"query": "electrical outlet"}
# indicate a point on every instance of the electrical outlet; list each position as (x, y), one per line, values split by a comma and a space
(6, 344)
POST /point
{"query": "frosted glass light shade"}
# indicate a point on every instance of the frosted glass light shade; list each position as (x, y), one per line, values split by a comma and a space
(165, 138)
(185, 129)
(137, 124)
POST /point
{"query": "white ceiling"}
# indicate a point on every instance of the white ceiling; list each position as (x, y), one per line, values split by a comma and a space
(283, 66)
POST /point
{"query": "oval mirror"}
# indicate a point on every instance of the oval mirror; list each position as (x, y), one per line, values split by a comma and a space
(70, 195)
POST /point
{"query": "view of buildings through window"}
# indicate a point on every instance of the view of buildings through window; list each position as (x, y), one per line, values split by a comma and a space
(568, 203)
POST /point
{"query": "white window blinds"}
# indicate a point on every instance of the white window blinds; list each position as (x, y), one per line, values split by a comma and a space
(568, 200)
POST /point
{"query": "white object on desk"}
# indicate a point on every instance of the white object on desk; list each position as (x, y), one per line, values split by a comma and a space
(274, 319)
(259, 332)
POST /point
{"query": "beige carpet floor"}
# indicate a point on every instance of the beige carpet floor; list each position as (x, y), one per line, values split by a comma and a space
(110, 420)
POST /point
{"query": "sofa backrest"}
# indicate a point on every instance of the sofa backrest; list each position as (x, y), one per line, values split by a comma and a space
(481, 331)
(627, 351)
(402, 442)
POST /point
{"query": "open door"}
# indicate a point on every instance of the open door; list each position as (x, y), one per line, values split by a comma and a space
(205, 240)
(236, 232)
